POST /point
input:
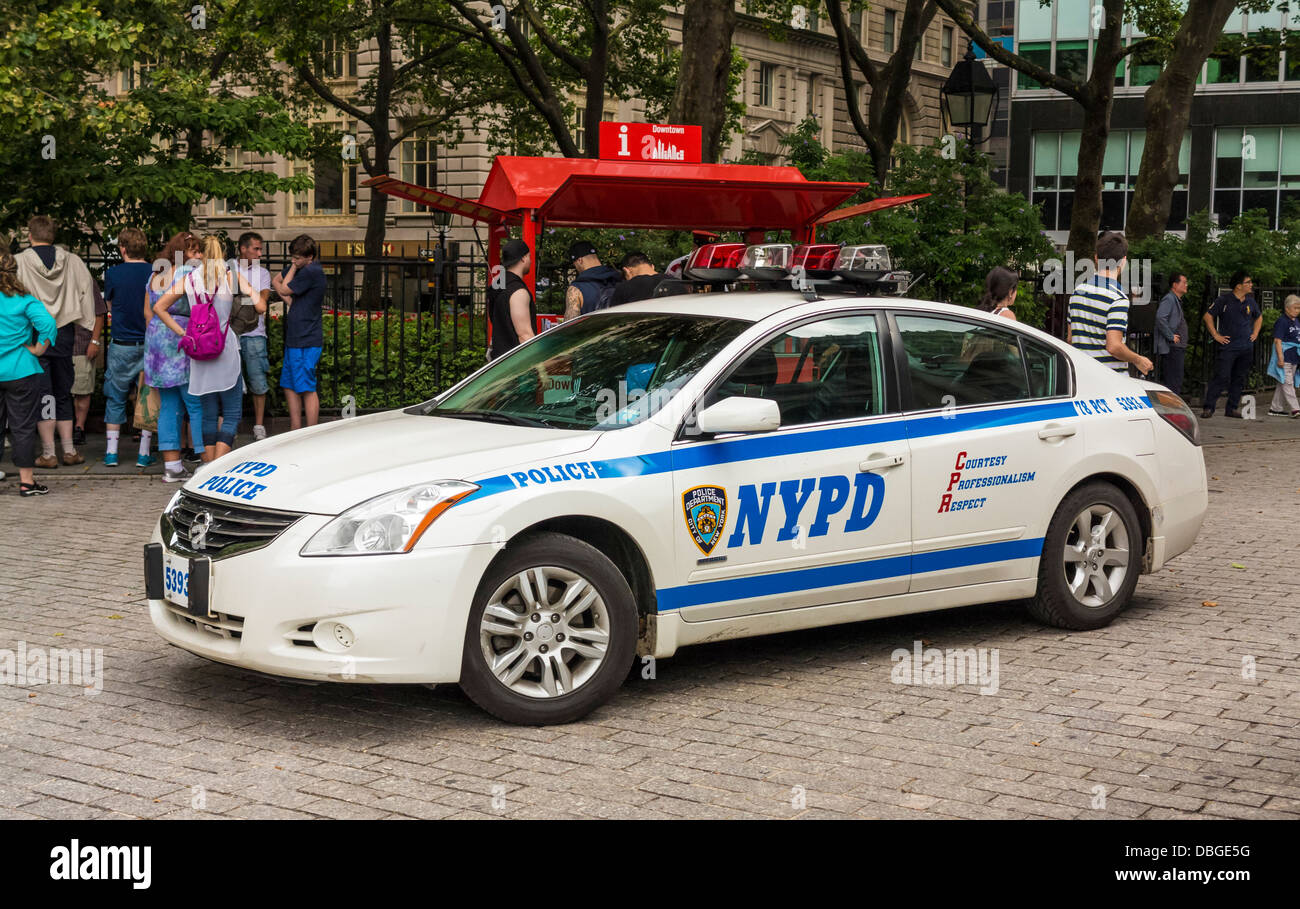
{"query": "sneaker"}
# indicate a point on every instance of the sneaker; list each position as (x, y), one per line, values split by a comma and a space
(1277, 413)
(146, 461)
(72, 457)
(181, 477)
(1235, 415)
(1295, 413)
(47, 462)
(110, 460)
(189, 457)
(259, 433)
(1206, 414)
(78, 436)
(32, 489)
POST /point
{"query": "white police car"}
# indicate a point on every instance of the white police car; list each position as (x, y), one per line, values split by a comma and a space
(682, 470)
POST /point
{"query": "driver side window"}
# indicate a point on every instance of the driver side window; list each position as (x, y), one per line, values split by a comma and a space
(830, 369)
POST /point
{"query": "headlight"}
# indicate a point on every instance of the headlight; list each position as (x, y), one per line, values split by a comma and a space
(392, 522)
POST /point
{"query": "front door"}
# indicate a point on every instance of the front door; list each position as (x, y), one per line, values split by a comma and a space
(815, 512)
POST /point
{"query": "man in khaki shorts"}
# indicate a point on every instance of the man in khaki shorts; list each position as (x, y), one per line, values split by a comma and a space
(87, 360)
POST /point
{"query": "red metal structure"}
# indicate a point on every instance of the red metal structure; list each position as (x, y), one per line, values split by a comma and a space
(586, 192)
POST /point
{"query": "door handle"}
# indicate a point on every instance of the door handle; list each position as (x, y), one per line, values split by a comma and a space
(1056, 431)
(880, 462)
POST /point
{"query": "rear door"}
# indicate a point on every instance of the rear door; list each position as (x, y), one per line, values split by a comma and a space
(991, 429)
(815, 512)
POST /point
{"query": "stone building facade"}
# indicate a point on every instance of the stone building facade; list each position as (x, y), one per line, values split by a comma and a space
(785, 81)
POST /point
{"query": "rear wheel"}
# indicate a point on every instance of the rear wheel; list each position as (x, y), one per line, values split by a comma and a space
(551, 634)
(1092, 556)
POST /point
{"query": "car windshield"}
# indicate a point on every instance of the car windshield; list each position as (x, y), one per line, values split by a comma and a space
(606, 372)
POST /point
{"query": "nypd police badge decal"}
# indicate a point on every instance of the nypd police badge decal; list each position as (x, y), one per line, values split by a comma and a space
(705, 510)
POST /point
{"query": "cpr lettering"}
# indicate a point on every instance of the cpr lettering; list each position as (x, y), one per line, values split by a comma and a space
(754, 506)
(560, 473)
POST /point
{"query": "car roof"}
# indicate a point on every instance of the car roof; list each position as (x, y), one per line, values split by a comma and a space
(755, 306)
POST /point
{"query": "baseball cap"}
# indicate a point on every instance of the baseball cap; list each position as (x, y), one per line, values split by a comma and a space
(580, 248)
(512, 251)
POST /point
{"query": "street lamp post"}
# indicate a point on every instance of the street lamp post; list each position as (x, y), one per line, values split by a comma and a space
(969, 100)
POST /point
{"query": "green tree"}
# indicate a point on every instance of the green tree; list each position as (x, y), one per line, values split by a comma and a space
(1095, 94)
(97, 158)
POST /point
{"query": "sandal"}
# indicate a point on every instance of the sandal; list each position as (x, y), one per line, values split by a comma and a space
(32, 489)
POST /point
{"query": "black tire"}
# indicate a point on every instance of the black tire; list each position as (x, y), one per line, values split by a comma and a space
(1055, 603)
(591, 565)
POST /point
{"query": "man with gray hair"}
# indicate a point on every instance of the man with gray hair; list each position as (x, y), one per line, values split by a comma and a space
(1171, 334)
(63, 283)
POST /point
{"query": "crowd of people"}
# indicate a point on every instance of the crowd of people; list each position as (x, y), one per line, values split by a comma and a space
(186, 336)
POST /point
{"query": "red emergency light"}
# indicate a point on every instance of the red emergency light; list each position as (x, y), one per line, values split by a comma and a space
(817, 259)
(715, 262)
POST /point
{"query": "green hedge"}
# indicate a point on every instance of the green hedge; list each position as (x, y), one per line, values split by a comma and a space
(384, 359)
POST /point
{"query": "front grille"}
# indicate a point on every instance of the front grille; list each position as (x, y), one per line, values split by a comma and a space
(233, 528)
(223, 626)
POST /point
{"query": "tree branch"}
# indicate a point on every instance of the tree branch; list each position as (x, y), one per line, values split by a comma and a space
(327, 94)
(956, 10)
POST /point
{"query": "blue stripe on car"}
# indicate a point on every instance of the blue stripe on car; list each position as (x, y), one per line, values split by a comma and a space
(775, 445)
(804, 579)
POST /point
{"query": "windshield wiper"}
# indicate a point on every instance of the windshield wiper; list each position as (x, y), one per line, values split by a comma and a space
(490, 416)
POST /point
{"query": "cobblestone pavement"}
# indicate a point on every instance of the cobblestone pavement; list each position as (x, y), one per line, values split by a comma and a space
(1156, 716)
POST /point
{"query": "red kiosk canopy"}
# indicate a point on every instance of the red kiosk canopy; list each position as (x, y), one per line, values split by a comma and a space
(587, 192)
(584, 192)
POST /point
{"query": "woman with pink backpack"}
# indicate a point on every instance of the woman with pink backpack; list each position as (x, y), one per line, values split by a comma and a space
(212, 347)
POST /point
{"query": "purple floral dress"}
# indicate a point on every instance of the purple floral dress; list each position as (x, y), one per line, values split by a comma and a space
(165, 366)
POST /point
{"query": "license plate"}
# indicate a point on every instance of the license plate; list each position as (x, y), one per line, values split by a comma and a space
(176, 579)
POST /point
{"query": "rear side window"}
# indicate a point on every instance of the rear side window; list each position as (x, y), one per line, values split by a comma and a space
(951, 362)
(1048, 374)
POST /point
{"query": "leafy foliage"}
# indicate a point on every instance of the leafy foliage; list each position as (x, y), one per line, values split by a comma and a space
(74, 147)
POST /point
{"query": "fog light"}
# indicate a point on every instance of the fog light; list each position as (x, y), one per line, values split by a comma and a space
(332, 637)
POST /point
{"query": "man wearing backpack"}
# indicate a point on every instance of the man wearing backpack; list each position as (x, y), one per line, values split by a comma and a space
(593, 288)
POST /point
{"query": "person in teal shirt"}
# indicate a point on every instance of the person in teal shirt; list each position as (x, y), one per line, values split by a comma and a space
(26, 330)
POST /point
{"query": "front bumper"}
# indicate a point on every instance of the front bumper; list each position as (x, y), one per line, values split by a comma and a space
(271, 611)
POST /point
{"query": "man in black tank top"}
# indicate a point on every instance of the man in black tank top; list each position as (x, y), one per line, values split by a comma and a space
(511, 307)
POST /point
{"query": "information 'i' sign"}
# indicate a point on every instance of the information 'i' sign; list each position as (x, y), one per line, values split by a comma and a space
(650, 142)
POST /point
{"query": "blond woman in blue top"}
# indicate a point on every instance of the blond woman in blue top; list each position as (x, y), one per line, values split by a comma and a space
(26, 330)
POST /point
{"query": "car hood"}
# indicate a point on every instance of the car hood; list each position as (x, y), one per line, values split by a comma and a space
(328, 468)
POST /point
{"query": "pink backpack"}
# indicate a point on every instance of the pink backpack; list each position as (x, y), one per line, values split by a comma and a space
(205, 336)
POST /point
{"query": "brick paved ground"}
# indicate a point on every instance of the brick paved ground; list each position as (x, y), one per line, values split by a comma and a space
(1153, 713)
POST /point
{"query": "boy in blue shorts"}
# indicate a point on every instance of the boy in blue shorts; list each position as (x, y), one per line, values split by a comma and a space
(302, 287)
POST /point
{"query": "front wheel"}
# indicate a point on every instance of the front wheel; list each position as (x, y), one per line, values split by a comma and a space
(552, 632)
(1092, 556)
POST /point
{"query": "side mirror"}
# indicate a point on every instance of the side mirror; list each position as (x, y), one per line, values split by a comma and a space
(737, 414)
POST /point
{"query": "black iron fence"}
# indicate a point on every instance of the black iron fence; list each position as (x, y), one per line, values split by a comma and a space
(396, 330)
(1202, 351)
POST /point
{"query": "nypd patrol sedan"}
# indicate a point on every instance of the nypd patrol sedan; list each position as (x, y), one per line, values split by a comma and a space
(682, 470)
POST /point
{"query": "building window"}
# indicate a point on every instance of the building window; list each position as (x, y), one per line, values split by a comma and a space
(138, 75)
(419, 162)
(891, 24)
(1039, 52)
(766, 84)
(855, 23)
(230, 162)
(1055, 171)
(338, 61)
(580, 126)
(1256, 168)
(945, 47)
(334, 190)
